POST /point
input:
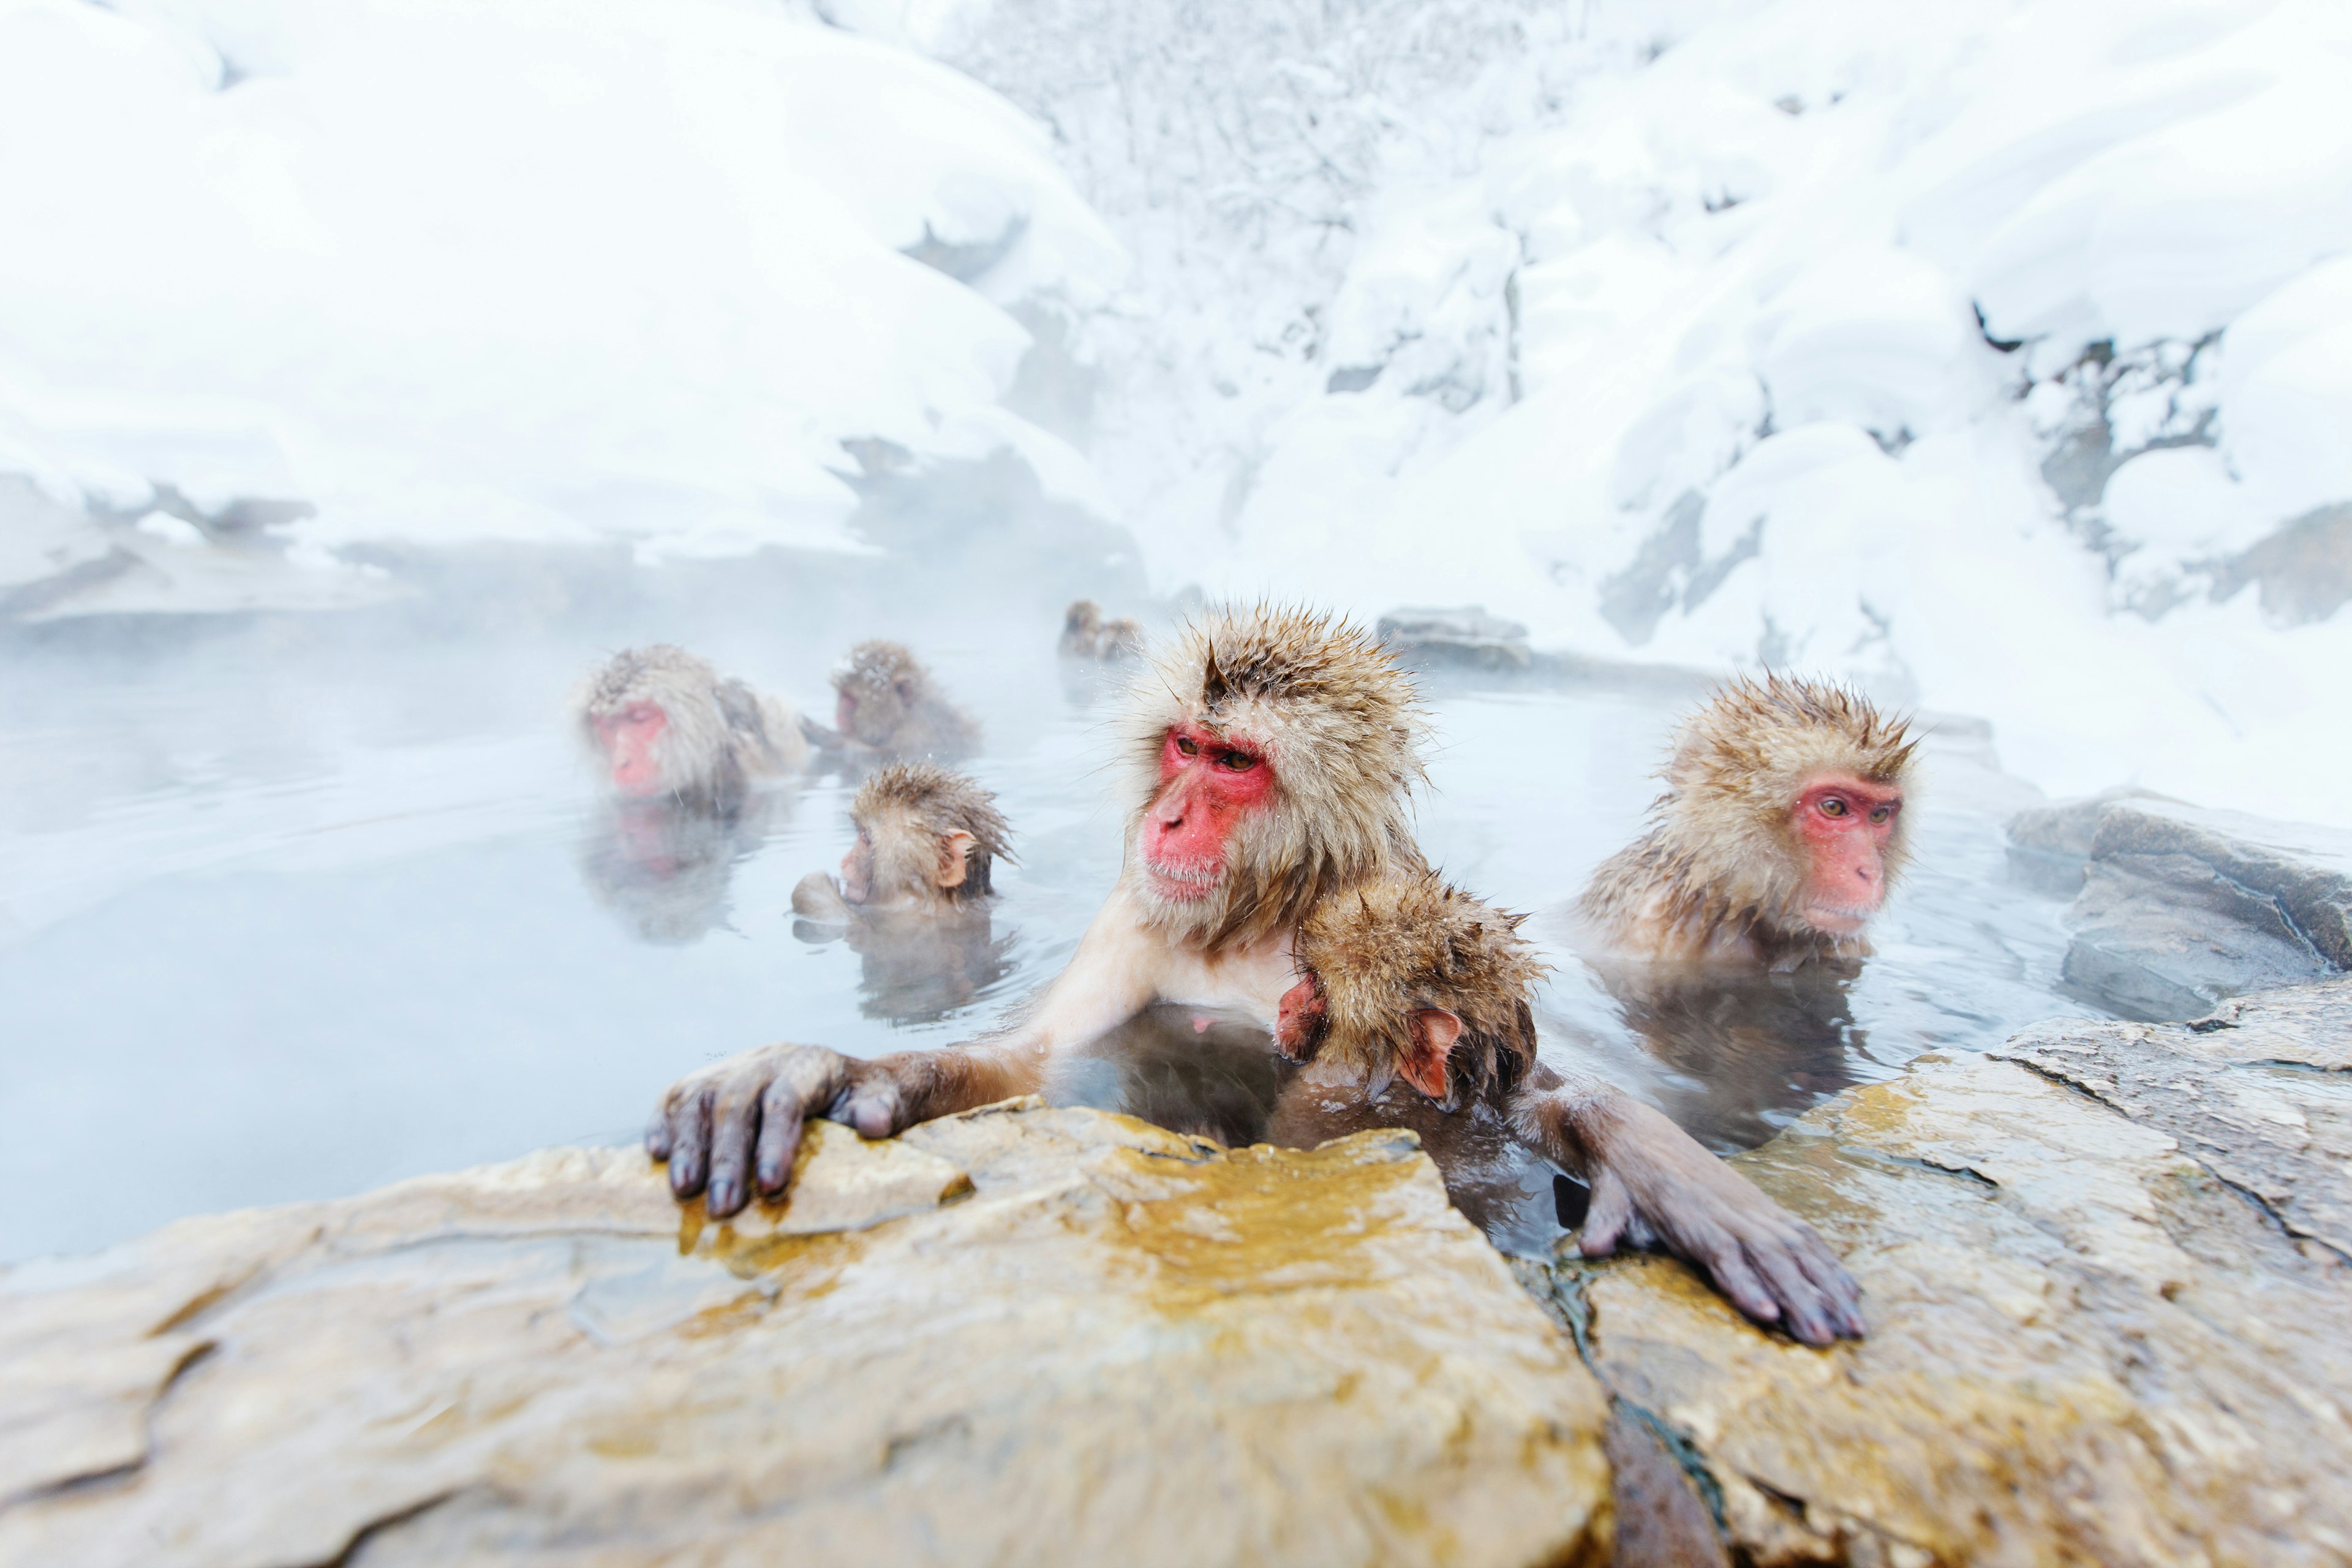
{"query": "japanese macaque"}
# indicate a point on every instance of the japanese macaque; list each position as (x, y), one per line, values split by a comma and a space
(1272, 753)
(663, 724)
(1413, 979)
(1087, 634)
(1779, 832)
(927, 840)
(888, 708)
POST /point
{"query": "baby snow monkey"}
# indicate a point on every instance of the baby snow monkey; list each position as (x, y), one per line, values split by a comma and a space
(914, 892)
(927, 838)
(664, 725)
(1411, 978)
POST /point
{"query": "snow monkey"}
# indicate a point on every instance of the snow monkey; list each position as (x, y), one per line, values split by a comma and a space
(888, 708)
(1779, 832)
(663, 724)
(927, 838)
(1272, 754)
(1413, 978)
(1086, 635)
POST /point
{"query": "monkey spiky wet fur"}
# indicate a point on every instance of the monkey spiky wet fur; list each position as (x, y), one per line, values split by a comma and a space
(938, 802)
(1382, 951)
(1340, 724)
(1718, 870)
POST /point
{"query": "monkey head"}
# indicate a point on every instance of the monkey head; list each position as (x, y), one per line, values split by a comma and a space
(885, 700)
(654, 719)
(1275, 753)
(1782, 821)
(1409, 978)
(928, 837)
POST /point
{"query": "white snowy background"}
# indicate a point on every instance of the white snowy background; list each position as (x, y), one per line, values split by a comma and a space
(1997, 355)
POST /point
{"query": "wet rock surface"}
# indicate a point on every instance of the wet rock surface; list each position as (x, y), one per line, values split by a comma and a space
(2177, 908)
(1025, 1334)
(2109, 1299)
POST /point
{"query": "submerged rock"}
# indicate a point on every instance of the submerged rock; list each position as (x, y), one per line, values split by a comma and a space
(1022, 1334)
(1464, 636)
(2106, 1274)
(2180, 908)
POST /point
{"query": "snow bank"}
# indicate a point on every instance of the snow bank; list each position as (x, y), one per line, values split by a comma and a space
(1998, 356)
(556, 270)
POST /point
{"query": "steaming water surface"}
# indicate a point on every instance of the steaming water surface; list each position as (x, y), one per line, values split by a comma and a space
(285, 912)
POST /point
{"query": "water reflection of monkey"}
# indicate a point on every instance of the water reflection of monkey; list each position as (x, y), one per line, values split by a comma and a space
(1751, 1051)
(666, 865)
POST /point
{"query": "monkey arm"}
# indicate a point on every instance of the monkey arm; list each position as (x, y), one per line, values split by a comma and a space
(1653, 1183)
(742, 1118)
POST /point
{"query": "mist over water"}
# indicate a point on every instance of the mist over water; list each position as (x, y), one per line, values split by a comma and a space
(293, 906)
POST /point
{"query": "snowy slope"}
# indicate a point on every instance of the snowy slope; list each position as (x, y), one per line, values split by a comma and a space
(1999, 355)
(558, 270)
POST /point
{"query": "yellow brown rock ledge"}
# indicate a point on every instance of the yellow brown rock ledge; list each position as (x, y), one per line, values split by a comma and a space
(1020, 1336)
(2111, 1313)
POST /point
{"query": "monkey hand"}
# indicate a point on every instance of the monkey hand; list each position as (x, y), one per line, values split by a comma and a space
(1652, 1183)
(742, 1118)
(818, 898)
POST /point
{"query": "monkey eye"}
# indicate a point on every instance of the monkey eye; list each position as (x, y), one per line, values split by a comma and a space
(1187, 745)
(1880, 813)
(1239, 762)
(1834, 806)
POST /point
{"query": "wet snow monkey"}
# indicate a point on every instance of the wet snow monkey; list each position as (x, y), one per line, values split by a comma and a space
(1087, 634)
(1271, 755)
(927, 838)
(1411, 978)
(662, 724)
(888, 709)
(1780, 833)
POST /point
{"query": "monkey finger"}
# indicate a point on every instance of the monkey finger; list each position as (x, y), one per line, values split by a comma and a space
(734, 1125)
(657, 1134)
(1838, 1286)
(871, 1107)
(781, 1118)
(1606, 1216)
(1729, 1264)
(1806, 1309)
(689, 1137)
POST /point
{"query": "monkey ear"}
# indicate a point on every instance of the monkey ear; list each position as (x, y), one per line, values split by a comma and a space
(955, 857)
(1435, 1030)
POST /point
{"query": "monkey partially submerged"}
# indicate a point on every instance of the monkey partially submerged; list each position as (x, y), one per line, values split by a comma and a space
(913, 896)
(1412, 978)
(1087, 634)
(888, 708)
(1780, 833)
(1273, 753)
(927, 838)
(664, 724)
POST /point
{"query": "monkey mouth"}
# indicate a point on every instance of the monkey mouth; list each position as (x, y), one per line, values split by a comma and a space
(1840, 920)
(1184, 883)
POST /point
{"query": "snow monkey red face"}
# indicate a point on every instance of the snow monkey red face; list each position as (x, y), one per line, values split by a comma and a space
(1780, 831)
(1846, 825)
(1210, 784)
(1275, 753)
(632, 742)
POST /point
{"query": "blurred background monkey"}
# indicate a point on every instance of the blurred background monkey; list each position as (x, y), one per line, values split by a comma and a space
(663, 724)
